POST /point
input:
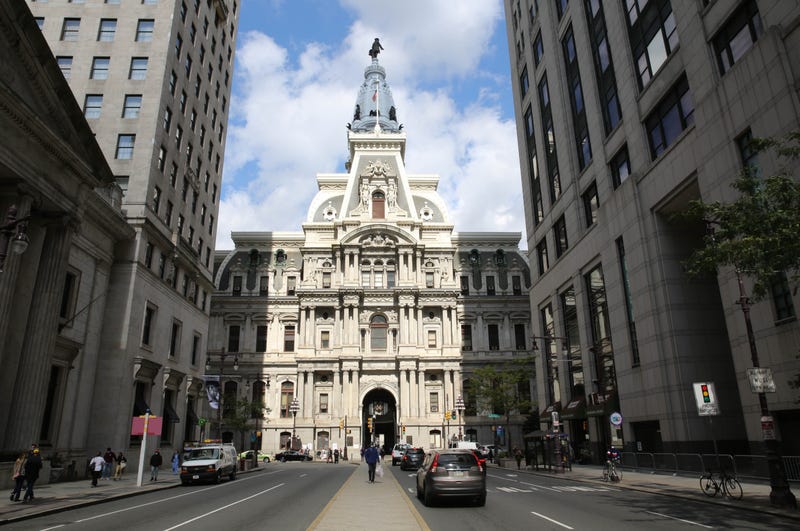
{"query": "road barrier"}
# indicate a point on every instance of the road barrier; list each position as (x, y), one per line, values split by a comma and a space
(742, 466)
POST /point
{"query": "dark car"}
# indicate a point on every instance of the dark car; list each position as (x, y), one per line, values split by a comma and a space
(451, 473)
(292, 455)
(412, 459)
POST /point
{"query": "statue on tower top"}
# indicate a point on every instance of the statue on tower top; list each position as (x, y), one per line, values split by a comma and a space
(376, 49)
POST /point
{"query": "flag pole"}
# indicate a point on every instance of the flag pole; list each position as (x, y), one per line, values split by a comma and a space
(143, 449)
(377, 107)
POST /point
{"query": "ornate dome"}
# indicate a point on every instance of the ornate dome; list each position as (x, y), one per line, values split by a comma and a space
(375, 104)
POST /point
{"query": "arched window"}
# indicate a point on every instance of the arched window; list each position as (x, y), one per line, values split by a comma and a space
(287, 393)
(378, 204)
(378, 328)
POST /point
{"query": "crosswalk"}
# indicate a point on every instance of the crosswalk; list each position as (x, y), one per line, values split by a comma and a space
(577, 488)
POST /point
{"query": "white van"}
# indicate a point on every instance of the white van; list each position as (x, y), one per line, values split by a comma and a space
(209, 463)
(465, 445)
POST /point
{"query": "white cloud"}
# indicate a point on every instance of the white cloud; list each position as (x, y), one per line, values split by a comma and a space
(288, 116)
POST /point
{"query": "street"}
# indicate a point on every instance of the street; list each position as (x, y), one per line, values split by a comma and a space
(291, 496)
(285, 496)
(524, 501)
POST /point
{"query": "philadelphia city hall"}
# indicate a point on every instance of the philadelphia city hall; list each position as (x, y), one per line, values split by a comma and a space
(376, 314)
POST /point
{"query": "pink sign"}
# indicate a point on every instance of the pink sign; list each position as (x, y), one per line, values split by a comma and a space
(153, 425)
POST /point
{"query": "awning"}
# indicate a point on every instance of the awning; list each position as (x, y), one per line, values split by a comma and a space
(140, 407)
(546, 413)
(575, 410)
(191, 416)
(603, 405)
(169, 413)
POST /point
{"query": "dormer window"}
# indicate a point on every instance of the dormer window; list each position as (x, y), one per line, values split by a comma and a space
(280, 256)
(378, 205)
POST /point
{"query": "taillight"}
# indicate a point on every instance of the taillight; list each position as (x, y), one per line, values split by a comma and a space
(435, 464)
(405, 458)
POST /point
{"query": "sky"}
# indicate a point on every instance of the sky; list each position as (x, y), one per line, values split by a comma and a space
(298, 68)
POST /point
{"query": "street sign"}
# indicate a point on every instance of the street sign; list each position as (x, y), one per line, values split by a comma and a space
(706, 399)
(761, 380)
(616, 419)
(767, 428)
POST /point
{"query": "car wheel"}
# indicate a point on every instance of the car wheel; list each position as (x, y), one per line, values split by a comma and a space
(184, 483)
(427, 498)
(218, 477)
(232, 475)
(481, 501)
(419, 492)
(283, 459)
(394, 463)
(266, 459)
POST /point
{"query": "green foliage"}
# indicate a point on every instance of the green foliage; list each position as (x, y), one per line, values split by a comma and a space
(244, 416)
(757, 234)
(496, 386)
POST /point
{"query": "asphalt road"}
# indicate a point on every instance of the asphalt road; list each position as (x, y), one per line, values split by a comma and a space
(289, 496)
(522, 501)
(286, 496)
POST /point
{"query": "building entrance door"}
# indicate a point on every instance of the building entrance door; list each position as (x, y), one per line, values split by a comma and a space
(380, 406)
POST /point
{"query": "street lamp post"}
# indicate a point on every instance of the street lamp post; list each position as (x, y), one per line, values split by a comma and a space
(13, 233)
(294, 407)
(222, 355)
(780, 494)
(460, 408)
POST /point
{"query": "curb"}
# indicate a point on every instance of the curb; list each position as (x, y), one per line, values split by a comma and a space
(86, 503)
(784, 513)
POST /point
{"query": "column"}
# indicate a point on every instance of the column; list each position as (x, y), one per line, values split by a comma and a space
(338, 395)
(446, 333)
(356, 387)
(455, 328)
(33, 372)
(423, 400)
(420, 336)
(413, 391)
(312, 322)
(308, 403)
(299, 392)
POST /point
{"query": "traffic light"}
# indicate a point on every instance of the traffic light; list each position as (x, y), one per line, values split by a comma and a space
(447, 415)
(403, 428)
(706, 395)
(341, 423)
(453, 414)
(369, 423)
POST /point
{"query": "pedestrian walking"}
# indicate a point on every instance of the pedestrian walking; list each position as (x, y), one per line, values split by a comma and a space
(518, 456)
(33, 464)
(122, 464)
(109, 457)
(155, 462)
(176, 462)
(372, 456)
(96, 466)
(18, 475)
(336, 456)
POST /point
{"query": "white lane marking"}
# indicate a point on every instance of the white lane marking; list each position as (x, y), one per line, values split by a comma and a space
(679, 519)
(163, 500)
(237, 502)
(551, 520)
(303, 475)
(514, 489)
(54, 527)
(410, 490)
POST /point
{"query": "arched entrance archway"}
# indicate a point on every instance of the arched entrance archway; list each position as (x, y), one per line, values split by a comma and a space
(381, 407)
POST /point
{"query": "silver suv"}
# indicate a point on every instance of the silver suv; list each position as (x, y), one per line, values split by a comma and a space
(398, 451)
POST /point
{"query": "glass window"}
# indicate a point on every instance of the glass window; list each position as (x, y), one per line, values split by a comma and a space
(125, 147)
(70, 29)
(92, 105)
(237, 285)
(132, 106)
(538, 49)
(782, 297)
(234, 331)
(107, 29)
(100, 68)
(466, 337)
(65, 64)
(494, 337)
(748, 153)
(149, 316)
(490, 290)
(673, 114)
(290, 285)
(620, 167)
(138, 68)
(519, 337)
(431, 338)
(433, 402)
(591, 204)
(560, 236)
(261, 338)
(652, 33)
(325, 339)
(144, 30)
(541, 256)
(524, 82)
(288, 338)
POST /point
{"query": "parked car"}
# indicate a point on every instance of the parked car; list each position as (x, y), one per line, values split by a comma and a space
(209, 463)
(292, 455)
(412, 459)
(266, 458)
(451, 473)
(397, 453)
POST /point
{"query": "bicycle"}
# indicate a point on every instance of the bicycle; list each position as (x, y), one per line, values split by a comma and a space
(728, 485)
(611, 472)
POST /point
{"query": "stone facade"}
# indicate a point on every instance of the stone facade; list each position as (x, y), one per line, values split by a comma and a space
(624, 115)
(377, 309)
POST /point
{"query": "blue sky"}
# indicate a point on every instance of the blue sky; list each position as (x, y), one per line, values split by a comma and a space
(298, 68)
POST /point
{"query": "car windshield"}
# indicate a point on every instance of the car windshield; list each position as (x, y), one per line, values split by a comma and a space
(197, 454)
(457, 460)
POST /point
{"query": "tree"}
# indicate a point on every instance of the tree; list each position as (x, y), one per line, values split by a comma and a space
(497, 388)
(244, 416)
(757, 234)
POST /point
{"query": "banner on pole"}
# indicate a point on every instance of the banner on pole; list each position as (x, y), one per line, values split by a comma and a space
(153, 425)
(213, 391)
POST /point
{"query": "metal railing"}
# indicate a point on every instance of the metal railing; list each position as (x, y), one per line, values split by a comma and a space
(742, 466)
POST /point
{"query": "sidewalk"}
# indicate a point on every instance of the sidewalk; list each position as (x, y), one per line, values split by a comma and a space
(56, 497)
(755, 498)
(353, 507)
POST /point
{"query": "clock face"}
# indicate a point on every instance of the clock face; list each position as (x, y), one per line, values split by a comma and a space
(378, 407)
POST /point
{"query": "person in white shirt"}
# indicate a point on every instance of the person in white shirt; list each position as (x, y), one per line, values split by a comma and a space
(96, 467)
